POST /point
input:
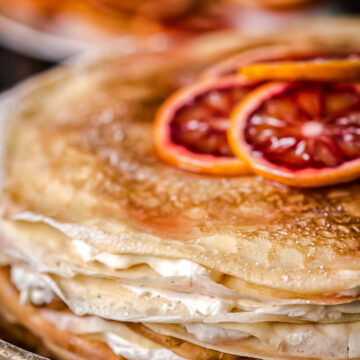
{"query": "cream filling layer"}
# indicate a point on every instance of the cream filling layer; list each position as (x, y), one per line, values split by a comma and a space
(187, 275)
(31, 286)
(122, 340)
(39, 288)
(215, 334)
(194, 303)
(274, 334)
(163, 266)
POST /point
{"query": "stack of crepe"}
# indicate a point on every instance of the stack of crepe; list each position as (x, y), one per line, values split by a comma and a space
(108, 253)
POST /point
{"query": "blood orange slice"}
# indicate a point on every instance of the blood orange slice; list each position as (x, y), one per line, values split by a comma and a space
(318, 69)
(263, 54)
(276, 54)
(282, 4)
(190, 127)
(303, 134)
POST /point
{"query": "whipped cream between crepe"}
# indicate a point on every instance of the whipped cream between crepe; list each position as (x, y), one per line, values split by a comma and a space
(200, 294)
(209, 333)
(113, 334)
(121, 346)
(195, 303)
(163, 266)
(121, 339)
(34, 289)
(212, 305)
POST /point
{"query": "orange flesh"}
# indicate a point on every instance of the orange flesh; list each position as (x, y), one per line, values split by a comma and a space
(191, 126)
(302, 134)
(313, 125)
(201, 125)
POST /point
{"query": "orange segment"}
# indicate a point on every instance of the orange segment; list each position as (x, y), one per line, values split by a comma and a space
(304, 134)
(318, 69)
(190, 127)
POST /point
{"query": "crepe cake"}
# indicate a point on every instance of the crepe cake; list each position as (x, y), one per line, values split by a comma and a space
(106, 250)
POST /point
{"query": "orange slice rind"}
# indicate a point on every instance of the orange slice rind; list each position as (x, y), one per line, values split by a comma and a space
(317, 69)
(190, 127)
(299, 134)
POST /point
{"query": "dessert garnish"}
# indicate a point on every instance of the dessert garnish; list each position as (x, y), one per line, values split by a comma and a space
(303, 134)
(317, 69)
(303, 131)
(190, 127)
(274, 55)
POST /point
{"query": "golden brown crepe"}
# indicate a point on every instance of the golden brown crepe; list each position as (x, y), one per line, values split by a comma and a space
(90, 215)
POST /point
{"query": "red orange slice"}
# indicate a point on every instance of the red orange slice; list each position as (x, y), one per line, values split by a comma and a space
(318, 69)
(190, 127)
(276, 54)
(303, 134)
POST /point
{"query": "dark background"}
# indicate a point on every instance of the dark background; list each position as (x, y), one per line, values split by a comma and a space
(15, 67)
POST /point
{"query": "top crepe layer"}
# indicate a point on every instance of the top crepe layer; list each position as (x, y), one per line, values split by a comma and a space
(79, 156)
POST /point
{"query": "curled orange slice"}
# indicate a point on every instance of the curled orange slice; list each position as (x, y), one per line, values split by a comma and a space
(303, 134)
(190, 127)
(317, 69)
(276, 54)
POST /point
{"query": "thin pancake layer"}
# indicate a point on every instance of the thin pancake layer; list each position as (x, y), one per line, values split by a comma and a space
(81, 342)
(119, 295)
(33, 321)
(264, 340)
(309, 342)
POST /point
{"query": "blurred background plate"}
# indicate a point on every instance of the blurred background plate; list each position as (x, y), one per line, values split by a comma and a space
(49, 30)
(53, 30)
